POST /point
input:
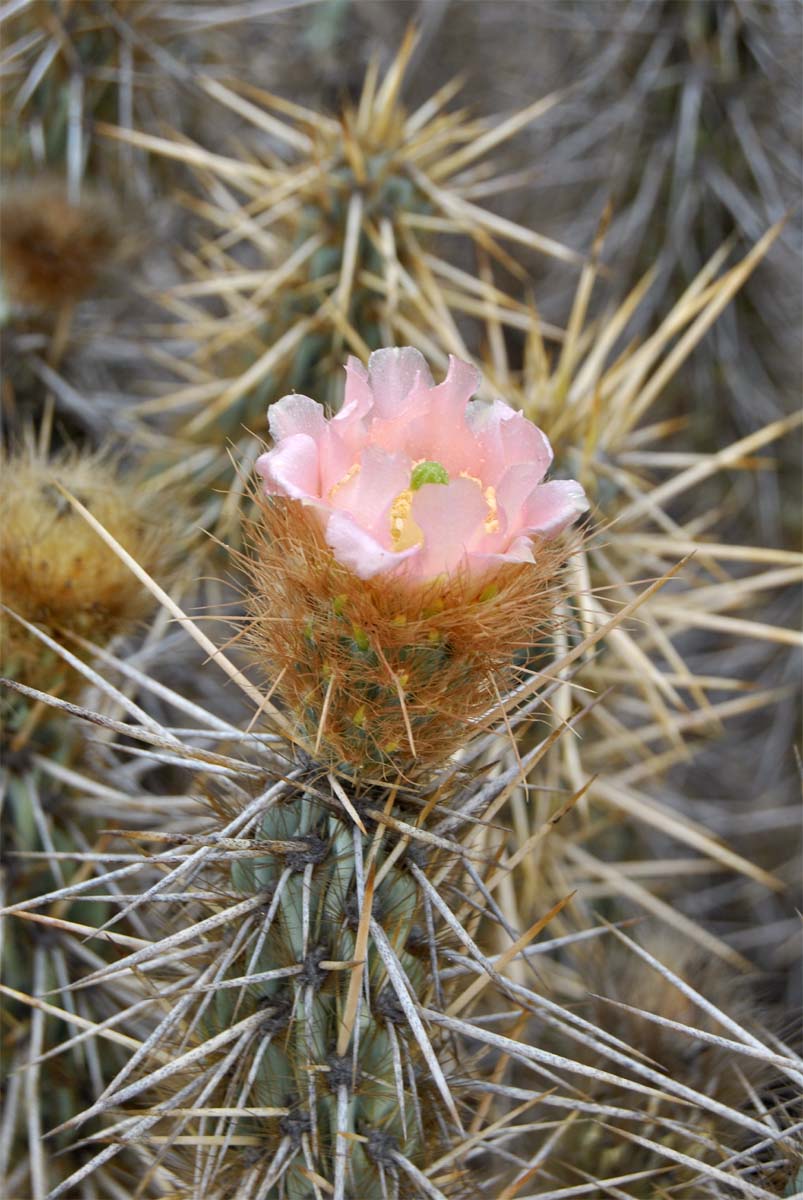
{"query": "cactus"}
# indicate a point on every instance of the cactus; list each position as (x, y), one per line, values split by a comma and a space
(314, 1062)
(629, 996)
(69, 64)
(291, 922)
(335, 248)
(314, 1008)
(298, 1026)
(66, 599)
(57, 573)
(315, 921)
(603, 413)
(700, 114)
(53, 249)
(698, 1024)
(337, 928)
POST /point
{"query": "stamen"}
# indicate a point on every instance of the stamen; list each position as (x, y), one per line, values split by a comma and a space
(404, 531)
(352, 471)
(492, 520)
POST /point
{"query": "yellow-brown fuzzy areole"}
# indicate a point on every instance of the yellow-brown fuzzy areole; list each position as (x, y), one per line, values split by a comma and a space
(382, 677)
(53, 249)
(55, 571)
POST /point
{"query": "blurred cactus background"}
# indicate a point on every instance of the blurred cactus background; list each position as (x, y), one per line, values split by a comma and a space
(249, 957)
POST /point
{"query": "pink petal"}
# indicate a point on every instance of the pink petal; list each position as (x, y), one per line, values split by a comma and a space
(514, 489)
(525, 443)
(461, 382)
(360, 552)
(497, 540)
(296, 414)
(358, 399)
(506, 438)
(394, 375)
(336, 456)
(438, 430)
(553, 506)
(432, 436)
(369, 493)
(291, 469)
(519, 550)
(451, 517)
(393, 433)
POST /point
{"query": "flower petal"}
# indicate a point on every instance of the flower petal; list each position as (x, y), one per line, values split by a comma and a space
(291, 469)
(368, 493)
(513, 491)
(358, 399)
(451, 517)
(519, 550)
(336, 456)
(553, 506)
(394, 375)
(461, 382)
(437, 430)
(506, 438)
(360, 552)
(296, 414)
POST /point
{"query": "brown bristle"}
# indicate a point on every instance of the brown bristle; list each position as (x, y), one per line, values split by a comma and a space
(53, 249)
(376, 672)
(56, 572)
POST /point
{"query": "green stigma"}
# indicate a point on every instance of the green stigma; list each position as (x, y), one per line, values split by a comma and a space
(427, 472)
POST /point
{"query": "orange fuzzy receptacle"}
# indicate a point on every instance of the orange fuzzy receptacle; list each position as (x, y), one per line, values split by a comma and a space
(382, 677)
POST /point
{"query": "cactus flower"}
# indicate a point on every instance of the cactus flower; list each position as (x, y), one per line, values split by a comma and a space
(403, 556)
(415, 480)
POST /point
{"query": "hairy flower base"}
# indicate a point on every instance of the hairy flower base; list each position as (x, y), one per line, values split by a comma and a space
(384, 676)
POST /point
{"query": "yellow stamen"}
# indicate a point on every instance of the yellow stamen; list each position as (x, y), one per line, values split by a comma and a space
(492, 520)
(404, 531)
(352, 471)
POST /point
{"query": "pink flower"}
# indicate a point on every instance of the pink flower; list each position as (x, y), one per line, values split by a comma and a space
(414, 480)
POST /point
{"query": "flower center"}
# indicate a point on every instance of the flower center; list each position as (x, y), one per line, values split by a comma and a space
(427, 472)
(405, 532)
